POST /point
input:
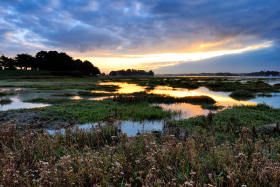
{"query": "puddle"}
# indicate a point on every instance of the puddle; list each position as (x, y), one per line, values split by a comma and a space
(17, 104)
(131, 128)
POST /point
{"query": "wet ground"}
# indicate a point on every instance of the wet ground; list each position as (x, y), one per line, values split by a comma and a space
(131, 128)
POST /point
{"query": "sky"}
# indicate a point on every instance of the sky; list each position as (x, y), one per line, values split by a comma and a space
(166, 36)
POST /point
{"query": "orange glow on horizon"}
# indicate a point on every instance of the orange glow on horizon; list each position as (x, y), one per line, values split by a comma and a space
(222, 99)
(111, 62)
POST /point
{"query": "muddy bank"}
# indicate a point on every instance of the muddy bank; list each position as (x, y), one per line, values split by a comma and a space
(34, 120)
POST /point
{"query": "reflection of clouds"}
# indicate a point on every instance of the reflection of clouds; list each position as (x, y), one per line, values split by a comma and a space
(76, 98)
(125, 87)
(188, 110)
(17, 104)
(221, 98)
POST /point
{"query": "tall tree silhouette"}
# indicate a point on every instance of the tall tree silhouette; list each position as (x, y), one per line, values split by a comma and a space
(7, 62)
(25, 60)
(89, 69)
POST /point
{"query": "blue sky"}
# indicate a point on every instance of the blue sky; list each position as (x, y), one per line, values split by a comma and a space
(162, 35)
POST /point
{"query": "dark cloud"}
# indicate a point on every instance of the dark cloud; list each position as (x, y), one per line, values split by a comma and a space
(148, 26)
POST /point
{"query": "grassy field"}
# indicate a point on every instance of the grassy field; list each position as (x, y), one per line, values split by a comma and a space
(83, 111)
(236, 146)
(104, 156)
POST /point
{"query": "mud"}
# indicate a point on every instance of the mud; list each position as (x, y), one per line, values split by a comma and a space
(31, 120)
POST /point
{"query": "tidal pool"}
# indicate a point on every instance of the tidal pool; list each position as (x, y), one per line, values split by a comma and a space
(222, 98)
(18, 104)
(22, 94)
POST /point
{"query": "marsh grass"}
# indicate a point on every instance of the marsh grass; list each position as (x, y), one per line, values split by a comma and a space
(64, 86)
(229, 121)
(6, 94)
(83, 111)
(161, 98)
(103, 156)
(65, 95)
(5, 101)
(212, 107)
(242, 95)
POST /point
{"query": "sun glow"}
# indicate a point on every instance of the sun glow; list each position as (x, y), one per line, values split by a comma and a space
(155, 61)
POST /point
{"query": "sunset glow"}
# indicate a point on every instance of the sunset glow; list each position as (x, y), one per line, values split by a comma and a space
(155, 61)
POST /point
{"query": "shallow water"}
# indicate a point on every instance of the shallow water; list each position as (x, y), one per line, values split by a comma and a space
(18, 104)
(130, 127)
(222, 98)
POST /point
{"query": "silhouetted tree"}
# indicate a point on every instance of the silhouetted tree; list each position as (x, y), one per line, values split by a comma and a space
(7, 63)
(89, 69)
(151, 73)
(25, 60)
(113, 73)
(128, 72)
(79, 65)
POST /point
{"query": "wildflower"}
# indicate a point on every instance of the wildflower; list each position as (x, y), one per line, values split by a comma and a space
(193, 173)
(188, 183)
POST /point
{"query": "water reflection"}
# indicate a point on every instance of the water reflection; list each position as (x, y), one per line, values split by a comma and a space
(130, 127)
(17, 104)
(188, 110)
(221, 97)
(126, 87)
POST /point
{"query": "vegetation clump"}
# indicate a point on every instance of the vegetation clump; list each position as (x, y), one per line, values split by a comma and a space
(84, 111)
(212, 107)
(242, 95)
(162, 98)
(5, 94)
(5, 101)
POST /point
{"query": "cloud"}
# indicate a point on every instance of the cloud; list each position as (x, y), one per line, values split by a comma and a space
(128, 27)
(267, 59)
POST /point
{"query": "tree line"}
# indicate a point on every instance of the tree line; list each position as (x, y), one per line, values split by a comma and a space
(48, 61)
(131, 72)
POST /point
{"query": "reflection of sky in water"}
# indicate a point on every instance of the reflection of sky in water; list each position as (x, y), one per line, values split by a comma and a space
(125, 87)
(17, 104)
(222, 98)
(130, 127)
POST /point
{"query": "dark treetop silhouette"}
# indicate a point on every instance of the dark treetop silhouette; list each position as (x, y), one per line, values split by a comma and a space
(48, 61)
(131, 72)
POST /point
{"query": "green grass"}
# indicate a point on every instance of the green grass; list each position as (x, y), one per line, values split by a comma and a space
(162, 98)
(229, 121)
(65, 95)
(242, 95)
(5, 101)
(212, 107)
(5, 94)
(105, 157)
(64, 86)
(83, 111)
